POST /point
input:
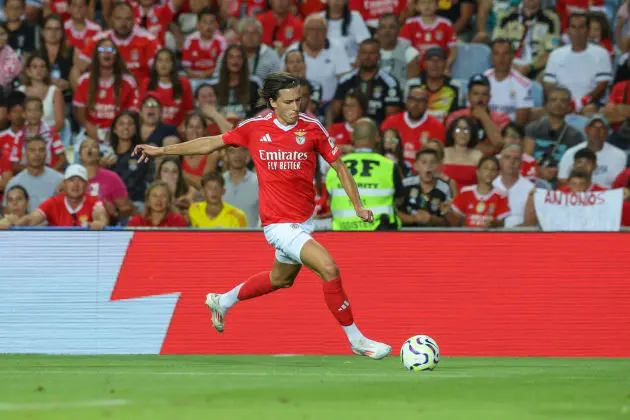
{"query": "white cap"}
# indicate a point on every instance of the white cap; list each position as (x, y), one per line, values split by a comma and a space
(76, 170)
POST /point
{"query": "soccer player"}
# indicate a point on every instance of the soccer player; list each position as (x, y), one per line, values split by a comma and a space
(284, 145)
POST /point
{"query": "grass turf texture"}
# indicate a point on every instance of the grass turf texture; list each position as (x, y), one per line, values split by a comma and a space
(310, 387)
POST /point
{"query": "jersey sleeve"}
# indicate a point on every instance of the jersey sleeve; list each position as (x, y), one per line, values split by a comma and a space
(459, 204)
(187, 53)
(238, 136)
(80, 95)
(325, 145)
(405, 32)
(603, 68)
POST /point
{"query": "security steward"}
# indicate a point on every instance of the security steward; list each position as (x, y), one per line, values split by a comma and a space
(378, 179)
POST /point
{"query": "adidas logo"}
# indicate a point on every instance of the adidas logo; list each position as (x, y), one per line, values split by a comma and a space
(344, 306)
(265, 139)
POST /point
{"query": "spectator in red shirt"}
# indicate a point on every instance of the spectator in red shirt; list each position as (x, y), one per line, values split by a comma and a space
(488, 123)
(104, 92)
(158, 212)
(353, 107)
(73, 207)
(481, 205)
(280, 27)
(79, 29)
(170, 171)
(156, 16)
(175, 90)
(623, 181)
(460, 156)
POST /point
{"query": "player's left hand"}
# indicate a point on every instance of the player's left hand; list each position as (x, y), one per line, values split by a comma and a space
(365, 215)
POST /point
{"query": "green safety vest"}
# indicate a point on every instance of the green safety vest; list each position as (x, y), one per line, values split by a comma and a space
(374, 175)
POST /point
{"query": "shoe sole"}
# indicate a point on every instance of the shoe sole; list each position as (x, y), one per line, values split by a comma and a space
(370, 354)
(214, 316)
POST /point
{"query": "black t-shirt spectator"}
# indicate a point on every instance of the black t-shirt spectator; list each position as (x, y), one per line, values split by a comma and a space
(451, 9)
(160, 133)
(24, 39)
(416, 199)
(381, 91)
(236, 107)
(61, 68)
(135, 176)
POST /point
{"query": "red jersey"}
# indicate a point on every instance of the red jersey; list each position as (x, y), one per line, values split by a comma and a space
(424, 35)
(59, 7)
(138, 50)
(308, 7)
(286, 31)
(564, 9)
(372, 10)
(8, 138)
(285, 160)
(79, 38)
(464, 175)
(104, 110)
(479, 210)
(171, 220)
(157, 19)
(242, 8)
(173, 110)
(54, 146)
(341, 132)
(414, 134)
(591, 188)
(59, 213)
(200, 55)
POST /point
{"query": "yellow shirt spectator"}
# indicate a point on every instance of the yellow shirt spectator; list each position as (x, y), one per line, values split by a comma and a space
(228, 217)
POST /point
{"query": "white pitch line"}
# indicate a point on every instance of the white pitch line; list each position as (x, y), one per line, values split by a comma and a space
(6, 406)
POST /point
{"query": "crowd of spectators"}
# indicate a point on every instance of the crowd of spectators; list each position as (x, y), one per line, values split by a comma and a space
(477, 101)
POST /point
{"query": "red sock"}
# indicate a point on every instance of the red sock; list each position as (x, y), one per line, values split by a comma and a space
(257, 285)
(337, 301)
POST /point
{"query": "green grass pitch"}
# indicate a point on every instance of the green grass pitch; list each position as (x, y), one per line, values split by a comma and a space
(310, 387)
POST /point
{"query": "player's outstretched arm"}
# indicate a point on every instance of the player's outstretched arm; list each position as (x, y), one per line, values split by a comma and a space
(350, 187)
(200, 146)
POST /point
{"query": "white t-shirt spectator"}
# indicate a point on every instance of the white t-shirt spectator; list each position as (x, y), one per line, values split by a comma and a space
(357, 33)
(578, 71)
(517, 197)
(512, 93)
(611, 161)
(326, 68)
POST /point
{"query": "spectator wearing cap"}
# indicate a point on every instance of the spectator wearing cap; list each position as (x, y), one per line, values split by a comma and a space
(158, 211)
(588, 85)
(241, 184)
(429, 30)
(381, 89)
(511, 91)
(611, 161)
(295, 65)
(174, 91)
(39, 180)
(280, 27)
(153, 130)
(261, 59)
(513, 184)
(443, 96)
(326, 61)
(345, 26)
(398, 57)
(73, 207)
(533, 31)
(488, 123)
(549, 137)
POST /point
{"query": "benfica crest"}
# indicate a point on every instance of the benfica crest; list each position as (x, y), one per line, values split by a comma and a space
(300, 137)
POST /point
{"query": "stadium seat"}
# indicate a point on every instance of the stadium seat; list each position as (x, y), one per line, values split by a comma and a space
(577, 121)
(542, 184)
(471, 59)
(538, 94)
(462, 90)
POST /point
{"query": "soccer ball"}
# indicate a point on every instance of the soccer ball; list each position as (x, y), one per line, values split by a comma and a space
(420, 352)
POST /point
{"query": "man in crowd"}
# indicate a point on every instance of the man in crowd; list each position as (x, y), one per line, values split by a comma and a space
(510, 181)
(489, 122)
(214, 212)
(280, 27)
(241, 184)
(398, 57)
(40, 181)
(611, 161)
(73, 208)
(377, 177)
(443, 96)
(511, 91)
(381, 88)
(584, 160)
(23, 37)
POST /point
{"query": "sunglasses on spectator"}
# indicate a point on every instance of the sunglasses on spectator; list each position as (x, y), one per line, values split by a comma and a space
(106, 49)
(462, 130)
(151, 103)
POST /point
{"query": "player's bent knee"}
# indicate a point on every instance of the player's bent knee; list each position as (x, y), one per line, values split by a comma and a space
(329, 270)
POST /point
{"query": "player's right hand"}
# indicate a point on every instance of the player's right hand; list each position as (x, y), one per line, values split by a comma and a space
(145, 151)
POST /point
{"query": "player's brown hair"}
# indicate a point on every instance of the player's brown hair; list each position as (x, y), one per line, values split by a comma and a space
(273, 84)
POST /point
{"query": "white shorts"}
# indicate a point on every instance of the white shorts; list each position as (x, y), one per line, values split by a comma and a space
(288, 239)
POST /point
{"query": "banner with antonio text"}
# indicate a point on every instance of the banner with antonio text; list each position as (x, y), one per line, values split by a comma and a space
(579, 212)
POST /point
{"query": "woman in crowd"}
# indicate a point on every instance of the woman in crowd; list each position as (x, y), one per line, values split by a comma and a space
(17, 205)
(10, 64)
(393, 150)
(60, 55)
(175, 91)
(103, 92)
(125, 136)
(237, 93)
(295, 65)
(354, 107)
(104, 183)
(460, 156)
(38, 84)
(481, 205)
(158, 211)
(345, 26)
(170, 171)
(195, 167)
(153, 130)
